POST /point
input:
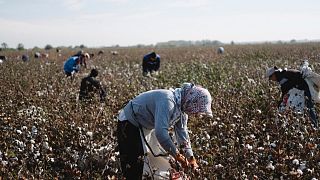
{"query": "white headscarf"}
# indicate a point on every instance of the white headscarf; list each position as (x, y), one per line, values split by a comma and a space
(193, 99)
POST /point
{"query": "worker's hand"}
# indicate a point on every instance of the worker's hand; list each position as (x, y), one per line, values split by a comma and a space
(182, 160)
(193, 163)
(145, 73)
(156, 73)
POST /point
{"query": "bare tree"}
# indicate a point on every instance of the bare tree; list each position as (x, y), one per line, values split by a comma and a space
(4, 45)
(20, 46)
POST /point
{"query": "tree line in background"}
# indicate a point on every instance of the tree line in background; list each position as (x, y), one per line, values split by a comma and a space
(174, 43)
(20, 46)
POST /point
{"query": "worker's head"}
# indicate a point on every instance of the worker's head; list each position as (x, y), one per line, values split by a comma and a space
(79, 53)
(94, 73)
(153, 56)
(270, 73)
(196, 100)
(87, 55)
(84, 57)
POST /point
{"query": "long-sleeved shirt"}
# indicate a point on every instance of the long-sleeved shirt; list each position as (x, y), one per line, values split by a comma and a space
(158, 109)
(88, 86)
(150, 65)
(289, 79)
(72, 64)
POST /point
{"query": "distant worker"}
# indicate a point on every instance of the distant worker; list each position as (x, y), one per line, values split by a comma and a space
(100, 52)
(37, 55)
(89, 85)
(72, 65)
(83, 62)
(3, 58)
(220, 50)
(150, 63)
(25, 58)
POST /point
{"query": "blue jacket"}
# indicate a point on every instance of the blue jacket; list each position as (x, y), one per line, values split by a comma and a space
(72, 64)
(159, 110)
(150, 65)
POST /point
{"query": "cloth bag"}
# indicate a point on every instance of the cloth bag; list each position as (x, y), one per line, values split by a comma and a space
(157, 166)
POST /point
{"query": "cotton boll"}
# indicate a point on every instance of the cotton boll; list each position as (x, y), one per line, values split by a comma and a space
(46, 145)
(270, 166)
(268, 137)
(46, 138)
(204, 162)
(32, 147)
(249, 147)
(244, 176)
(300, 173)
(301, 137)
(207, 136)
(295, 162)
(37, 154)
(113, 158)
(68, 149)
(20, 143)
(90, 134)
(4, 163)
(219, 166)
(273, 145)
(19, 131)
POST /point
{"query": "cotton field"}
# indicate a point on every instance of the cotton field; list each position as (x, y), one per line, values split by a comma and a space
(47, 133)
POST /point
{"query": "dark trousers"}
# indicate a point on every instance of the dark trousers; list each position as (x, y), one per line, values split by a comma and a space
(310, 106)
(131, 150)
(68, 73)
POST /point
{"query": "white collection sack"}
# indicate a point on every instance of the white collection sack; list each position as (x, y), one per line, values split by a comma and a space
(158, 167)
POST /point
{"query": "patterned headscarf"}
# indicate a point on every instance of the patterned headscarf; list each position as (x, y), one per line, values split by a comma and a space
(194, 99)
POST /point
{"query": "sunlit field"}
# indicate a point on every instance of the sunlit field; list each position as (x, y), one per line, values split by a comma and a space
(46, 133)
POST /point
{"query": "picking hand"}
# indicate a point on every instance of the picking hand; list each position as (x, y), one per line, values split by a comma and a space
(193, 163)
(181, 159)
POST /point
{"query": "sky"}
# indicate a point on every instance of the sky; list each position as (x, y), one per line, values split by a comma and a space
(96, 23)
